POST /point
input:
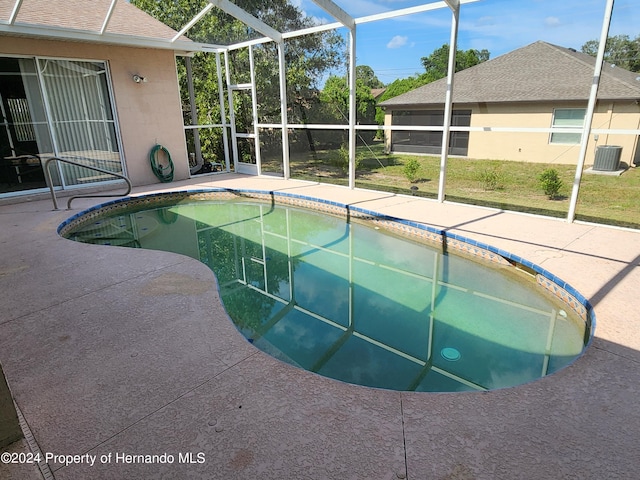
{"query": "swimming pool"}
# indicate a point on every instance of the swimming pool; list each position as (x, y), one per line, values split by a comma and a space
(356, 296)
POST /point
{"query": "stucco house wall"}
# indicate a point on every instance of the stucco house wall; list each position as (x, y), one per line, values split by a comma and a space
(535, 147)
(148, 113)
(521, 90)
(619, 116)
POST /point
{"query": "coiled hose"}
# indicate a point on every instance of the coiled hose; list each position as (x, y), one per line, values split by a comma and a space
(163, 172)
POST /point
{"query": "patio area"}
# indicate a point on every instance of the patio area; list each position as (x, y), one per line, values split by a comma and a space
(112, 353)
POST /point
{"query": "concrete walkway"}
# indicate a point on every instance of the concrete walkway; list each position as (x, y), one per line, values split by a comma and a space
(113, 352)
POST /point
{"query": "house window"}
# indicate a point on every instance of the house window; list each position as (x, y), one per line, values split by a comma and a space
(429, 142)
(567, 117)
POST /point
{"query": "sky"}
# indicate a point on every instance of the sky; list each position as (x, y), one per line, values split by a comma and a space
(393, 48)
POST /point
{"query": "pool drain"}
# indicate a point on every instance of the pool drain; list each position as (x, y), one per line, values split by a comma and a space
(450, 354)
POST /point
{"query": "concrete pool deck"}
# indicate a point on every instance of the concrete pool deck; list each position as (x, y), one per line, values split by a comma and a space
(112, 352)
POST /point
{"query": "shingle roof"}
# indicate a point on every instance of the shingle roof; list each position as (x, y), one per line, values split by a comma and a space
(538, 72)
(88, 15)
(376, 92)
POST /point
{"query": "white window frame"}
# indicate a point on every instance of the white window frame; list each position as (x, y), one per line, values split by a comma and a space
(561, 137)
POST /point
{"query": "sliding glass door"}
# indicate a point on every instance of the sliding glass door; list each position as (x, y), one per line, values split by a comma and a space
(81, 118)
(24, 131)
(54, 107)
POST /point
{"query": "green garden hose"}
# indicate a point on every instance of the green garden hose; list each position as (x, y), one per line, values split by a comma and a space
(163, 172)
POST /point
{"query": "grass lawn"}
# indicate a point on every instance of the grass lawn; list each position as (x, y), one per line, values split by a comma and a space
(508, 185)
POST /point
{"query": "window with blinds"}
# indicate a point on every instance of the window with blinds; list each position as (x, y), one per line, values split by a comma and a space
(567, 117)
(81, 117)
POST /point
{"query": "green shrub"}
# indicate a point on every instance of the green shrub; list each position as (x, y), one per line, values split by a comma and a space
(411, 168)
(550, 182)
(340, 159)
(492, 179)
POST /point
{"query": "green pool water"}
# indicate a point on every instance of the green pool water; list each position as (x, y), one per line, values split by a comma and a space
(357, 304)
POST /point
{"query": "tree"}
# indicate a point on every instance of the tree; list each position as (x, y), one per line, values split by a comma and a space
(620, 50)
(436, 67)
(436, 64)
(398, 87)
(308, 58)
(366, 74)
(335, 99)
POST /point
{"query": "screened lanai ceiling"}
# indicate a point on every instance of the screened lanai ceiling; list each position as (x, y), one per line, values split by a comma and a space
(116, 21)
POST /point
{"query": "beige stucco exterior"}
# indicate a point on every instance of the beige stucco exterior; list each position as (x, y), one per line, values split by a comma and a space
(535, 147)
(147, 113)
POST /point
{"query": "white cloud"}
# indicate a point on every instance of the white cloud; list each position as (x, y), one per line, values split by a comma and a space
(397, 41)
(486, 20)
(552, 21)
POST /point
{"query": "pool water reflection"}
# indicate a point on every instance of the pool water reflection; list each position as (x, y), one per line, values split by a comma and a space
(357, 304)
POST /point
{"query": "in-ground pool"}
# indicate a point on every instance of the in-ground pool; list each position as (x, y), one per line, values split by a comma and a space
(356, 296)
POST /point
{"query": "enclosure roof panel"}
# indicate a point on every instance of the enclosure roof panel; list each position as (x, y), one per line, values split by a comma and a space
(537, 72)
(119, 22)
(293, 20)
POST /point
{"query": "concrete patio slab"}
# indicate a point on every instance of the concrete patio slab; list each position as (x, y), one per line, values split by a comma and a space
(109, 350)
(259, 421)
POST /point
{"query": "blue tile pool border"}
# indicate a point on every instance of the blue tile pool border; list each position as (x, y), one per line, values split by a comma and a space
(557, 287)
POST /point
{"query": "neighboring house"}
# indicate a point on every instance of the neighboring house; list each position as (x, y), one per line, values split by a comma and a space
(101, 98)
(537, 86)
(377, 92)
